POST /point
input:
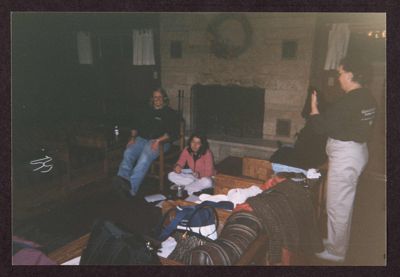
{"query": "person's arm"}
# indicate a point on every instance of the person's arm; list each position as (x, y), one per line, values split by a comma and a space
(314, 104)
(208, 165)
(156, 142)
(132, 138)
(171, 128)
(138, 120)
(317, 121)
(181, 161)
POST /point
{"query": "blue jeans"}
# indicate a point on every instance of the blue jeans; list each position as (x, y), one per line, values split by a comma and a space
(137, 160)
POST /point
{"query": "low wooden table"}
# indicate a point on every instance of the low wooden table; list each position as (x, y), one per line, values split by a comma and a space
(224, 183)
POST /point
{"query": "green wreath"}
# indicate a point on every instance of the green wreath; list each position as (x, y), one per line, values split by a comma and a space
(223, 49)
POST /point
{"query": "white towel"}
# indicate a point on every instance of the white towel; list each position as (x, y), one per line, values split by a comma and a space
(312, 173)
(240, 195)
(236, 196)
(213, 198)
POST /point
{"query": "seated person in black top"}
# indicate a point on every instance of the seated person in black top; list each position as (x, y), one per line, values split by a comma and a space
(158, 123)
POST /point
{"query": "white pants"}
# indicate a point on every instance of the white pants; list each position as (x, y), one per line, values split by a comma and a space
(191, 183)
(347, 160)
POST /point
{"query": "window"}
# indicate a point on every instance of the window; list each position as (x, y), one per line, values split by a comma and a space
(289, 49)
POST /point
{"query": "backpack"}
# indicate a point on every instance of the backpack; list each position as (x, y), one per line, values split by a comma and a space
(110, 245)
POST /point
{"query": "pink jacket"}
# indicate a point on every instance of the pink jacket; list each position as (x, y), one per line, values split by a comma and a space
(204, 166)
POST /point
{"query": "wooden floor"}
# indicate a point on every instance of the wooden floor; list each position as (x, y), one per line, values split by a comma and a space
(73, 216)
(62, 221)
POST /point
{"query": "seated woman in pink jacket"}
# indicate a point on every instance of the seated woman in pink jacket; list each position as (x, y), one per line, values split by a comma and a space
(199, 159)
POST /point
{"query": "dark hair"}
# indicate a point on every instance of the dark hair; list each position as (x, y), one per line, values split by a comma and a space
(360, 68)
(164, 95)
(204, 143)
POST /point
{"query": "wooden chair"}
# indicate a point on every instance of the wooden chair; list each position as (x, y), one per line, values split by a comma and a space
(165, 162)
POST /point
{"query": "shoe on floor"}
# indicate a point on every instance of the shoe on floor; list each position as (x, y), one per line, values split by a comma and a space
(120, 182)
(132, 193)
(325, 255)
(122, 187)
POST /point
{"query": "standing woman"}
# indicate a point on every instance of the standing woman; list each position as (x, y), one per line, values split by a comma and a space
(347, 123)
(199, 159)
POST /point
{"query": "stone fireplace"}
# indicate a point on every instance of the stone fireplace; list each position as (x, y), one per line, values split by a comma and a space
(277, 80)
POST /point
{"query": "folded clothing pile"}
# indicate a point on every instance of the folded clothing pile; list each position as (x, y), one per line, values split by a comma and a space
(235, 195)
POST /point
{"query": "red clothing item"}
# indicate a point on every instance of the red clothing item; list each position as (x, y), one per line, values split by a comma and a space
(204, 165)
(243, 207)
(267, 185)
(272, 182)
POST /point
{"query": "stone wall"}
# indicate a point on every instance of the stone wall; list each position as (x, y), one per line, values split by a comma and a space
(285, 81)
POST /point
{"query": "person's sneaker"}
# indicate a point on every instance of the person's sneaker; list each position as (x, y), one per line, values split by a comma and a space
(120, 182)
(132, 193)
(325, 255)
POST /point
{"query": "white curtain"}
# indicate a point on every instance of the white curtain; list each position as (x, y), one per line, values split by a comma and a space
(143, 47)
(84, 46)
(338, 42)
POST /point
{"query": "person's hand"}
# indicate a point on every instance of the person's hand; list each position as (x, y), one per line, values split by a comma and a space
(130, 142)
(178, 169)
(314, 103)
(133, 133)
(155, 145)
(196, 174)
